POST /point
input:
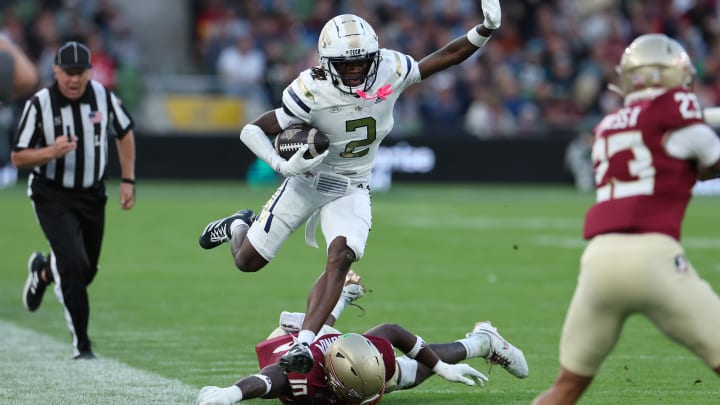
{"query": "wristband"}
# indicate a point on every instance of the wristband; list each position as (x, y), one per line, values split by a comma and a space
(128, 180)
(475, 38)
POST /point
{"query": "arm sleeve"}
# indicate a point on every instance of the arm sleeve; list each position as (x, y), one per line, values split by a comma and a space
(27, 135)
(122, 123)
(696, 141)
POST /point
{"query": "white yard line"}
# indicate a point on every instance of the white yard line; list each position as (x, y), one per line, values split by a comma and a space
(449, 221)
(35, 369)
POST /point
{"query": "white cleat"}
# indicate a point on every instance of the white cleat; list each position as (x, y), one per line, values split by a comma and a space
(502, 352)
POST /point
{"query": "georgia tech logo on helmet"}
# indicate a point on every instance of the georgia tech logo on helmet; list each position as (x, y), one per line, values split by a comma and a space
(325, 39)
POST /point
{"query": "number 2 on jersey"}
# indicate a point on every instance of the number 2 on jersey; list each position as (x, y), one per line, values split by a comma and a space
(351, 126)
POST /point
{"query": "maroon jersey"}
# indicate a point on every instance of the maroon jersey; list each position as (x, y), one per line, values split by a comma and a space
(312, 388)
(639, 187)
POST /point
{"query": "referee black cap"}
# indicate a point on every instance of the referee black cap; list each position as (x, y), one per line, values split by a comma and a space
(73, 55)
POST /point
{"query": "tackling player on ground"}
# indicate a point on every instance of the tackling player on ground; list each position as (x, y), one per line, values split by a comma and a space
(350, 97)
(647, 157)
(359, 369)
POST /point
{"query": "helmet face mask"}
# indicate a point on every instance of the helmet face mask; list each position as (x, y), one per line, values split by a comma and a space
(349, 51)
(355, 369)
(654, 61)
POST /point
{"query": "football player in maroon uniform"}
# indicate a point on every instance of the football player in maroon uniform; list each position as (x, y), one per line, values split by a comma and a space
(359, 369)
(647, 156)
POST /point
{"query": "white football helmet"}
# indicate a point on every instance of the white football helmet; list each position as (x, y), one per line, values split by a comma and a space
(654, 60)
(349, 40)
(354, 368)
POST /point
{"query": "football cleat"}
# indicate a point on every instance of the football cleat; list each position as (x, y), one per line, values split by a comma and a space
(352, 292)
(291, 322)
(298, 359)
(218, 232)
(501, 351)
(84, 355)
(35, 286)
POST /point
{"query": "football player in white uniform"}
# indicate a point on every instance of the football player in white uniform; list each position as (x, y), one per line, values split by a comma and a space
(350, 97)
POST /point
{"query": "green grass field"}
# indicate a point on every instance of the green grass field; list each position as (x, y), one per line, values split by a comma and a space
(438, 259)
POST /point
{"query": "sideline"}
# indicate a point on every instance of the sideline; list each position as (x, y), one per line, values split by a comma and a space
(35, 369)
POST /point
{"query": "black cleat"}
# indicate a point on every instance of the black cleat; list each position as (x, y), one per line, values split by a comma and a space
(218, 232)
(35, 286)
(84, 355)
(298, 359)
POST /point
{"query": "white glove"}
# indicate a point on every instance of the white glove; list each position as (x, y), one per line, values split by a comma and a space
(459, 373)
(297, 164)
(491, 12)
(211, 395)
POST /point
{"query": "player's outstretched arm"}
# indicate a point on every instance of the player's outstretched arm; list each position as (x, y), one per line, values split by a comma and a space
(461, 48)
(268, 384)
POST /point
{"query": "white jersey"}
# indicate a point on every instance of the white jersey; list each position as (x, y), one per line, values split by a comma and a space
(356, 126)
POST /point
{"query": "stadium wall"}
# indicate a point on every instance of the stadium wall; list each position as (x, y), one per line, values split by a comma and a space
(418, 159)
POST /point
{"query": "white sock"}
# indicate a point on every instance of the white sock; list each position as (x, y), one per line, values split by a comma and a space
(306, 336)
(476, 346)
(339, 307)
(235, 224)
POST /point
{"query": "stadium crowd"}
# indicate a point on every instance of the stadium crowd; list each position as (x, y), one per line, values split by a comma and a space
(545, 72)
(41, 26)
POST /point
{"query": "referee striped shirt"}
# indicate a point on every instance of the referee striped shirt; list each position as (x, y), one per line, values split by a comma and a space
(49, 115)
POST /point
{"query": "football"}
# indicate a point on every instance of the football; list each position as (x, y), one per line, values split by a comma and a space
(294, 137)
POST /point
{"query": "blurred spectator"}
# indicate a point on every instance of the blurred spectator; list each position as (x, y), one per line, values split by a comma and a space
(442, 109)
(578, 161)
(241, 69)
(104, 68)
(487, 117)
(548, 66)
(39, 26)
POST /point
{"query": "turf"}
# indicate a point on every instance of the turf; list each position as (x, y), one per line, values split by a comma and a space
(439, 258)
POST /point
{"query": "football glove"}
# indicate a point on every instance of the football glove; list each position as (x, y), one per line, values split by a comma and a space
(461, 373)
(491, 13)
(297, 164)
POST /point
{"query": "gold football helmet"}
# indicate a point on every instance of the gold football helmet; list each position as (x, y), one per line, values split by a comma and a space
(654, 60)
(354, 368)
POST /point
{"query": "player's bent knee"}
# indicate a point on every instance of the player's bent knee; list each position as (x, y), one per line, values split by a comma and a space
(340, 254)
(249, 264)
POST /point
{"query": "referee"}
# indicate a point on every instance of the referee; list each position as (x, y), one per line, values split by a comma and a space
(63, 137)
